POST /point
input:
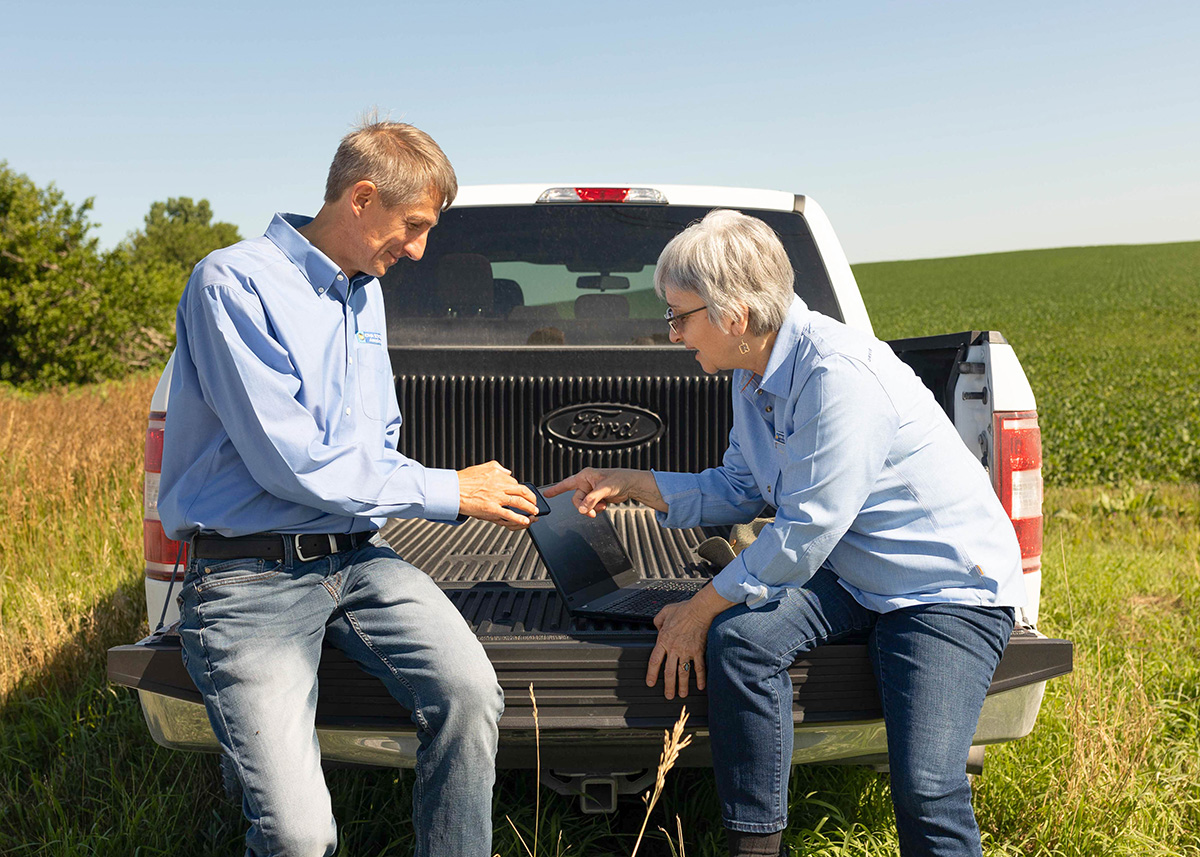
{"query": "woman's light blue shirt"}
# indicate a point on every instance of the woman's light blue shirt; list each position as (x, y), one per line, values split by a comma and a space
(867, 474)
(282, 414)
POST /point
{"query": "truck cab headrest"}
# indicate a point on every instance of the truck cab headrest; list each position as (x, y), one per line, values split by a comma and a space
(602, 306)
(464, 285)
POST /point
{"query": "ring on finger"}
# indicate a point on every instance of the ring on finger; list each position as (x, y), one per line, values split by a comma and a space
(685, 666)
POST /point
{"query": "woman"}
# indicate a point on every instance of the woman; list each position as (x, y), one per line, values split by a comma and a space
(885, 524)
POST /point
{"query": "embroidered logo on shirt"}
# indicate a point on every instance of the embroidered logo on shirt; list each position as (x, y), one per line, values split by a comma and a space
(370, 337)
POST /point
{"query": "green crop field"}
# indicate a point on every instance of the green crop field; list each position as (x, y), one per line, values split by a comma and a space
(1109, 338)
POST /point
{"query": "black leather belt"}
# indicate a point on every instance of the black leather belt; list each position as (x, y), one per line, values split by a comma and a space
(305, 546)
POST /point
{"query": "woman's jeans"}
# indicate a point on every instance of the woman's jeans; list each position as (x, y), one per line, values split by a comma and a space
(933, 664)
(252, 632)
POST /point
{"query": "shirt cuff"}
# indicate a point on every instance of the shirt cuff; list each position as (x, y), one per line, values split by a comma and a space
(681, 493)
(735, 583)
(441, 494)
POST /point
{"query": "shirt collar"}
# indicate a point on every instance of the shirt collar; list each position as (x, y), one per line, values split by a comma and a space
(777, 378)
(320, 271)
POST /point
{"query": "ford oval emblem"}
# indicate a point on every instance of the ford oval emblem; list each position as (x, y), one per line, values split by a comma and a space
(605, 426)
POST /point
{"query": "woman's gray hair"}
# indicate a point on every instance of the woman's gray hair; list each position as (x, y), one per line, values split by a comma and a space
(403, 162)
(730, 260)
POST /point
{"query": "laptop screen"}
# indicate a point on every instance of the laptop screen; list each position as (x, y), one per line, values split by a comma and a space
(583, 555)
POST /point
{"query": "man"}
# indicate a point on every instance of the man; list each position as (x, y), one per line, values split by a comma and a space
(280, 463)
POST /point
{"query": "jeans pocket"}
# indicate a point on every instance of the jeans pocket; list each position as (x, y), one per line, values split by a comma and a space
(233, 572)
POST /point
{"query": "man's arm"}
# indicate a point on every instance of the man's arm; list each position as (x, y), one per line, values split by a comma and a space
(248, 379)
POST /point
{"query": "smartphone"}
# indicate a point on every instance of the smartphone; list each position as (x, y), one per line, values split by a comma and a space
(543, 507)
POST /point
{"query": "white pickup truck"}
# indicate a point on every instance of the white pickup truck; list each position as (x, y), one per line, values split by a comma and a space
(530, 333)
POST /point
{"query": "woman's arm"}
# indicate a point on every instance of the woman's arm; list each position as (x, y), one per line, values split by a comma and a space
(595, 489)
(727, 494)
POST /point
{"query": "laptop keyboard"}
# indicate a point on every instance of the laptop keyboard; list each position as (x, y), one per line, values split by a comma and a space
(647, 602)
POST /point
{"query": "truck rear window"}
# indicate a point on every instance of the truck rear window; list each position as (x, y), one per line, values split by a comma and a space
(559, 274)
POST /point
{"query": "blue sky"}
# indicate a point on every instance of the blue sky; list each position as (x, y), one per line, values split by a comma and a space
(923, 128)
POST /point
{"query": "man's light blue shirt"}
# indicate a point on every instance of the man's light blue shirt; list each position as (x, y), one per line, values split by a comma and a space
(867, 473)
(282, 414)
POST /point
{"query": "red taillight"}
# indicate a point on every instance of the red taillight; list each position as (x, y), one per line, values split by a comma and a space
(570, 194)
(602, 194)
(1018, 480)
(1029, 535)
(160, 551)
(154, 442)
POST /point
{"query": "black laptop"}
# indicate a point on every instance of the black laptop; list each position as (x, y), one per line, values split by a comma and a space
(592, 571)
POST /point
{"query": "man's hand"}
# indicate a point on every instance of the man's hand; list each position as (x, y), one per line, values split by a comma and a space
(595, 489)
(682, 639)
(486, 489)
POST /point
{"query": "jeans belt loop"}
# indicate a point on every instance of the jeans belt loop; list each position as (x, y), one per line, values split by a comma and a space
(299, 551)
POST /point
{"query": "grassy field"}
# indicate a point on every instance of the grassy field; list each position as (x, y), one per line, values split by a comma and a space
(1113, 767)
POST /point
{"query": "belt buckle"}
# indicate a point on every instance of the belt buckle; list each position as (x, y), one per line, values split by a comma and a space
(299, 551)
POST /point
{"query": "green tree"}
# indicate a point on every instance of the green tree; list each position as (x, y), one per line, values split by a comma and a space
(179, 233)
(69, 313)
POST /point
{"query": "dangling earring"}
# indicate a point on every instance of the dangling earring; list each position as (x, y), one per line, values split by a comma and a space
(744, 348)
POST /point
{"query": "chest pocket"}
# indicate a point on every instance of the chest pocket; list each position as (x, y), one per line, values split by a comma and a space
(780, 429)
(374, 380)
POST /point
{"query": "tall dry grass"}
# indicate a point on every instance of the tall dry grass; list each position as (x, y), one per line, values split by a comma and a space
(70, 526)
(674, 742)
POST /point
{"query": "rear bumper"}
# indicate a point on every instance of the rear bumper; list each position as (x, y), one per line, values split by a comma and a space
(183, 725)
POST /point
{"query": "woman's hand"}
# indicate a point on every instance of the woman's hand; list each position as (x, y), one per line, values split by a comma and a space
(595, 489)
(682, 639)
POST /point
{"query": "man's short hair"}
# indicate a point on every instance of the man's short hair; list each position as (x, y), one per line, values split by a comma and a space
(403, 162)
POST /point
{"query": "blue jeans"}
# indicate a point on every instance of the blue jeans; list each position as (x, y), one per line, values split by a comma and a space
(252, 633)
(933, 664)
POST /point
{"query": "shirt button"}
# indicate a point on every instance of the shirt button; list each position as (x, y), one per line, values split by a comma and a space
(768, 489)
(768, 409)
(350, 360)
(340, 278)
(320, 291)
(347, 412)
(758, 392)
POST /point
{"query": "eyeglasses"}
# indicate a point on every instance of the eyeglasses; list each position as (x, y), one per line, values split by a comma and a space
(673, 321)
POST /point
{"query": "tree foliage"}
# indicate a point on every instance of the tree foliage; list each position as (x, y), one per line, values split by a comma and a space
(72, 314)
(179, 233)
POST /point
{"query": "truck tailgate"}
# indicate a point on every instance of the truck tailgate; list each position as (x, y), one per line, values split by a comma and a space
(587, 674)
